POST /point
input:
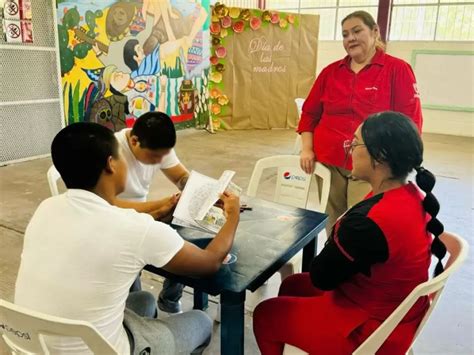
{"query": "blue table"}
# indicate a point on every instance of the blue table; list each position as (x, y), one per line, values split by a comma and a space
(267, 237)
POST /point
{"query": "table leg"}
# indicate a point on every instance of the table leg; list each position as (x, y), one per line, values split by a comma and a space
(309, 252)
(200, 300)
(232, 323)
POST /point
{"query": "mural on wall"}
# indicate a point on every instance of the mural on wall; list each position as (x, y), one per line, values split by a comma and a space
(120, 59)
(261, 62)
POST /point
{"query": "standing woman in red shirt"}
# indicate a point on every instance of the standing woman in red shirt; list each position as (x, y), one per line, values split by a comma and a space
(377, 253)
(366, 81)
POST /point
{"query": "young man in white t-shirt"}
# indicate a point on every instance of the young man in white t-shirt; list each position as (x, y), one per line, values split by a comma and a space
(148, 148)
(81, 254)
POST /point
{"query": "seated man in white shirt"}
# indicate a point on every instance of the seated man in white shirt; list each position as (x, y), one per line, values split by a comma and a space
(81, 254)
(148, 148)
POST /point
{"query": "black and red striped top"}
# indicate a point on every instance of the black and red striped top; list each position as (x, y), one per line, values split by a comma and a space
(378, 252)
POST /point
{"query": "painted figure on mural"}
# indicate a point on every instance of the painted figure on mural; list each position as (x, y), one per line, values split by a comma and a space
(131, 97)
(150, 64)
(145, 70)
(141, 55)
(123, 19)
(182, 18)
(108, 80)
(187, 97)
(156, 23)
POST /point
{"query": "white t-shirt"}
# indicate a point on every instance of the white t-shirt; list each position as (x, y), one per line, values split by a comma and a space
(80, 257)
(140, 175)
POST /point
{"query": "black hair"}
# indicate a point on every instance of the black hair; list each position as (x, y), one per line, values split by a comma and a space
(155, 130)
(392, 138)
(128, 54)
(80, 153)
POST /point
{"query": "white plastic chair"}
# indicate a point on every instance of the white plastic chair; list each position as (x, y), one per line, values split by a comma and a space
(299, 106)
(458, 250)
(293, 184)
(292, 188)
(23, 331)
(53, 177)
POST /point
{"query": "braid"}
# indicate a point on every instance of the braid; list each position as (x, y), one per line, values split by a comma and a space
(426, 181)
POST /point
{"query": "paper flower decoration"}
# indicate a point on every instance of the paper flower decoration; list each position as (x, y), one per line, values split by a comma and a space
(215, 93)
(214, 60)
(266, 16)
(215, 28)
(216, 77)
(234, 12)
(224, 33)
(215, 109)
(275, 18)
(283, 23)
(291, 19)
(238, 26)
(226, 22)
(216, 41)
(221, 52)
(223, 100)
(220, 67)
(255, 23)
(220, 10)
(245, 15)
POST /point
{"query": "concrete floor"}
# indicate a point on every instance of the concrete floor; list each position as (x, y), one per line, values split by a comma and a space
(450, 330)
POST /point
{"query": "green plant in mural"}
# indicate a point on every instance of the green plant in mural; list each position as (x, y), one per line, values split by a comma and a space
(173, 73)
(75, 109)
(79, 50)
(201, 112)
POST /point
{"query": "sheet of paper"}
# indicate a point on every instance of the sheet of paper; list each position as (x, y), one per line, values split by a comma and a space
(222, 184)
(194, 225)
(235, 189)
(195, 194)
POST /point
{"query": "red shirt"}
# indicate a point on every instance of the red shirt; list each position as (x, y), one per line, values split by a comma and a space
(341, 100)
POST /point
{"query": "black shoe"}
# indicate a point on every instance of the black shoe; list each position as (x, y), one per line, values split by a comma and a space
(169, 306)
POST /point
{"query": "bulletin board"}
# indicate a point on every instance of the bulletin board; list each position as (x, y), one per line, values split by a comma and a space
(445, 79)
(261, 61)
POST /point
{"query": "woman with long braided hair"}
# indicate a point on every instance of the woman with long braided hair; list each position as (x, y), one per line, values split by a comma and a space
(377, 253)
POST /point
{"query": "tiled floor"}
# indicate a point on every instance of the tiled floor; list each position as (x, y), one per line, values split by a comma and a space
(450, 330)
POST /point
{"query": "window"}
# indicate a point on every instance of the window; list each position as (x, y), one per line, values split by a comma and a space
(331, 12)
(439, 20)
(425, 20)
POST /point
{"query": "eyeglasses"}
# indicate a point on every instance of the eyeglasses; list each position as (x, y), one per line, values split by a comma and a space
(349, 146)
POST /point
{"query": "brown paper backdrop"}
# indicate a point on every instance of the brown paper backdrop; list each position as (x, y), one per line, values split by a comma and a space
(266, 100)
